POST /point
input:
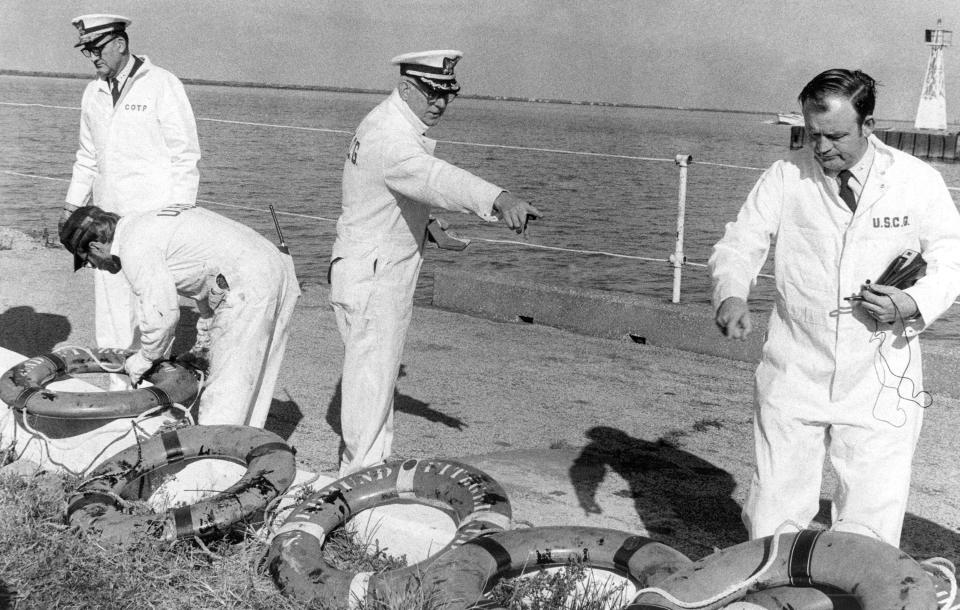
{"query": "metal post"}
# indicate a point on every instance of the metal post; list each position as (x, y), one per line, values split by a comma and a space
(677, 258)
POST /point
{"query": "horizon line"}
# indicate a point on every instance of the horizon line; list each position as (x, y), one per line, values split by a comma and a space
(333, 89)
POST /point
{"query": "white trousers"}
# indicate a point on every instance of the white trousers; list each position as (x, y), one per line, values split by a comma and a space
(248, 337)
(373, 302)
(872, 459)
(115, 317)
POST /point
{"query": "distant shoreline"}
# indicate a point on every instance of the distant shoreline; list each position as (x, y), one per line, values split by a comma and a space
(500, 98)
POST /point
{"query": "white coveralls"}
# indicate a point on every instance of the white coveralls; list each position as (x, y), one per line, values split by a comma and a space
(390, 180)
(245, 289)
(831, 378)
(137, 156)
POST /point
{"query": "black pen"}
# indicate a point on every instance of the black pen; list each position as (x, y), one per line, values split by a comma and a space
(857, 297)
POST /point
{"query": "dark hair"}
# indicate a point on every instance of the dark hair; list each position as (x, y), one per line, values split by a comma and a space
(854, 85)
(87, 224)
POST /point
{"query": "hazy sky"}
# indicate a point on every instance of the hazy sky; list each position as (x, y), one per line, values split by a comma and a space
(731, 54)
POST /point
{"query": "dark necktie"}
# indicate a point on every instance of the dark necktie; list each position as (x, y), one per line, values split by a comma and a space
(114, 90)
(846, 193)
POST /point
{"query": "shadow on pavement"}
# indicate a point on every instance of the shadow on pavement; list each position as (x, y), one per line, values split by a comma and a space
(28, 332)
(284, 417)
(401, 403)
(681, 499)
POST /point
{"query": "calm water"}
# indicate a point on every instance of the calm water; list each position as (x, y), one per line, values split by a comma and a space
(623, 206)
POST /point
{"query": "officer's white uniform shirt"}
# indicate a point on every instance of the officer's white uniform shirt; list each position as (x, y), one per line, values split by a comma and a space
(390, 181)
(826, 362)
(181, 251)
(141, 154)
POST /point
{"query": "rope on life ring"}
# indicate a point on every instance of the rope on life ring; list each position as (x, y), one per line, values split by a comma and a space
(477, 504)
(464, 574)
(23, 386)
(876, 575)
(98, 502)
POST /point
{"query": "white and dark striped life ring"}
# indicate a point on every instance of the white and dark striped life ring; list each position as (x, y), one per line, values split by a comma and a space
(23, 386)
(877, 575)
(476, 503)
(462, 575)
(98, 503)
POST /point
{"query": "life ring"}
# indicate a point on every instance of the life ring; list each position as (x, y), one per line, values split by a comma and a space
(475, 502)
(23, 386)
(877, 575)
(97, 503)
(802, 598)
(462, 575)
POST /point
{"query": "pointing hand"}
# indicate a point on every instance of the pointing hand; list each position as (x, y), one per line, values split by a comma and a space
(514, 211)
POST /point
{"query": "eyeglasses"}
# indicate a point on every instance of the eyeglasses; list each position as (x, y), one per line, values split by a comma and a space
(96, 51)
(434, 95)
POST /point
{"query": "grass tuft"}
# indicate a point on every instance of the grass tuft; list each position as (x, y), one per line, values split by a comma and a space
(571, 587)
(45, 564)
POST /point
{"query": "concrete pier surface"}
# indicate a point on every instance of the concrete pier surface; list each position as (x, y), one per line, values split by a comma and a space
(579, 429)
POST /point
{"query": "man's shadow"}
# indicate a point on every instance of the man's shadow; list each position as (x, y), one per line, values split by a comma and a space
(682, 500)
(401, 402)
(28, 332)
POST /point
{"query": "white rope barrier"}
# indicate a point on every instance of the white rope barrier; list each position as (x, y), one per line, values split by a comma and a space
(32, 105)
(278, 212)
(275, 126)
(456, 142)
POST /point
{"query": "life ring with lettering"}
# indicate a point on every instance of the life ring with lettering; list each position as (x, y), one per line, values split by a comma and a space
(876, 575)
(476, 503)
(23, 386)
(98, 505)
(464, 574)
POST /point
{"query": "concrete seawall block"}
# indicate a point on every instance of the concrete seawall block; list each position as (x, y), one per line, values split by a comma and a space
(592, 312)
(645, 320)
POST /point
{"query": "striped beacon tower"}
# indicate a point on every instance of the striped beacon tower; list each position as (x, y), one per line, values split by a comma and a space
(932, 111)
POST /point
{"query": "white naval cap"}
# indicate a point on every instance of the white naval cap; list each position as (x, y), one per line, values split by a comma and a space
(93, 28)
(432, 68)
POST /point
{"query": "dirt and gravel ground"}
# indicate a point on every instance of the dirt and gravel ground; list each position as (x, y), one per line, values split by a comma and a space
(579, 430)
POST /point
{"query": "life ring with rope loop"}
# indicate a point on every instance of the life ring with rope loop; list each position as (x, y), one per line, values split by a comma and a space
(476, 503)
(99, 503)
(462, 575)
(877, 575)
(23, 386)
